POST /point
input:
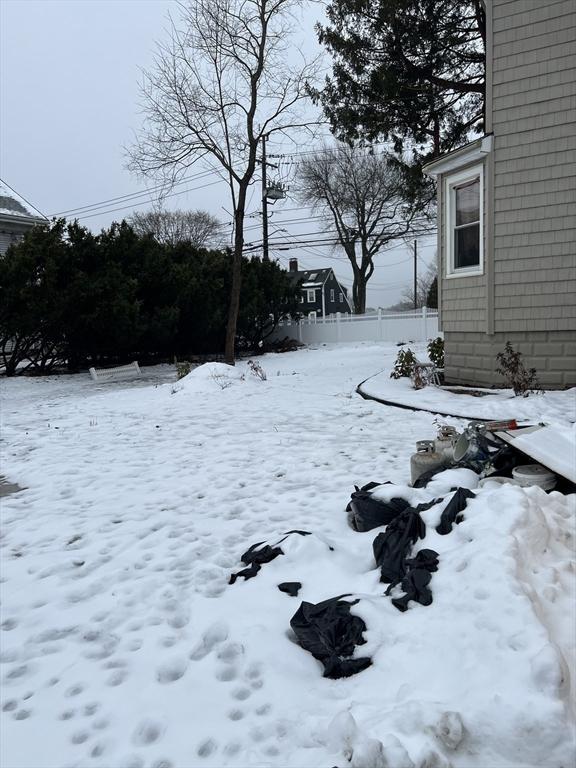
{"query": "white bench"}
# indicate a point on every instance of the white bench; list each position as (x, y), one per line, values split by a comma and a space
(119, 372)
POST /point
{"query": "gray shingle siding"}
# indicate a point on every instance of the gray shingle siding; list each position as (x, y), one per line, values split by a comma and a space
(463, 299)
(471, 357)
(534, 118)
(528, 292)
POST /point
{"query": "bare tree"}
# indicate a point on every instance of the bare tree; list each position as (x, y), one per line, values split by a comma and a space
(199, 228)
(368, 198)
(423, 285)
(222, 82)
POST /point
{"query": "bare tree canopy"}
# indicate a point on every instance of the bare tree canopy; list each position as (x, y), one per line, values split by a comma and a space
(222, 82)
(199, 228)
(425, 284)
(370, 199)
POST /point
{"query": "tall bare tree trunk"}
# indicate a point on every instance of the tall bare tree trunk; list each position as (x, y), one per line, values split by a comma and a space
(234, 306)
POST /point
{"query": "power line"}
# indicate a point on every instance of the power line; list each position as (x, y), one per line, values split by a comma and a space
(145, 202)
(23, 198)
(131, 195)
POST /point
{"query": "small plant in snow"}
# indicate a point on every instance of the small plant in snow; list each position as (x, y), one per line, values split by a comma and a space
(223, 381)
(510, 365)
(183, 369)
(436, 351)
(257, 370)
(404, 365)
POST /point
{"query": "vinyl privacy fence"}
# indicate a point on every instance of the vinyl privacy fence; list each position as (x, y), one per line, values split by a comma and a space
(418, 325)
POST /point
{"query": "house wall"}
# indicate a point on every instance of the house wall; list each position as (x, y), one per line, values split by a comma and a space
(335, 306)
(10, 234)
(470, 358)
(310, 306)
(331, 306)
(528, 293)
(462, 300)
(534, 125)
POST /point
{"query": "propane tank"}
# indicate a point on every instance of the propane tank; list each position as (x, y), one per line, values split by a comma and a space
(444, 442)
(425, 459)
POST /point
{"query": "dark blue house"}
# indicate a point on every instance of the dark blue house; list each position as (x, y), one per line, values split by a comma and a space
(320, 291)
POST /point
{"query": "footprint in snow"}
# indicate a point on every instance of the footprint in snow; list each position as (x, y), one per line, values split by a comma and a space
(230, 652)
(213, 636)
(226, 674)
(172, 670)
(148, 732)
(8, 625)
(206, 748)
(241, 694)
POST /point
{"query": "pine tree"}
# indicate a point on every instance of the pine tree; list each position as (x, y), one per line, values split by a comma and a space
(408, 71)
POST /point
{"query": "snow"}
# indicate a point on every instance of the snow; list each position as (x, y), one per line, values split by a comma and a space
(553, 446)
(494, 404)
(122, 644)
(18, 205)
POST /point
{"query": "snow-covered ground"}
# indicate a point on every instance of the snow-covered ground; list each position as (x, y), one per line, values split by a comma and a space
(123, 645)
(555, 407)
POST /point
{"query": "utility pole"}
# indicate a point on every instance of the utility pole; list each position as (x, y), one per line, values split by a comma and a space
(264, 202)
(415, 274)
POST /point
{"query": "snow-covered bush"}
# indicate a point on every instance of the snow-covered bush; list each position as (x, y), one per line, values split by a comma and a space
(257, 370)
(404, 365)
(436, 351)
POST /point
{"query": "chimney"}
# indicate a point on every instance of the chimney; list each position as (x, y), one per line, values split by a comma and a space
(293, 265)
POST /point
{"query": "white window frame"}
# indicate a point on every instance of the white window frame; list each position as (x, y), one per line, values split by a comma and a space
(332, 295)
(311, 292)
(452, 181)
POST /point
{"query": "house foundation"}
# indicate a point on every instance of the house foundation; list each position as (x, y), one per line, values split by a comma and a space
(470, 358)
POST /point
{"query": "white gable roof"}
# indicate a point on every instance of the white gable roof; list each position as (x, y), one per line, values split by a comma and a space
(14, 206)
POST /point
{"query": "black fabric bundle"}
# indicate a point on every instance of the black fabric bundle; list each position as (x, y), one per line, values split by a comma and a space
(330, 632)
(452, 514)
(366, 512)
(391, 547)
(257, 555)
(415, 582)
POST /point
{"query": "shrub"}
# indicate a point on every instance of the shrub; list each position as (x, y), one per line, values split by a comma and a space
(183, 369)
(436, 352)
(510, 365)
(257, 370)
(404, 365)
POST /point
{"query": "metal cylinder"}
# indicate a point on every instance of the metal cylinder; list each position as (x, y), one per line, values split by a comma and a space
(425, 460)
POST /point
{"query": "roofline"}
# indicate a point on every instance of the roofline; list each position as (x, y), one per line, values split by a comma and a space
(32, 221)
(476, 150)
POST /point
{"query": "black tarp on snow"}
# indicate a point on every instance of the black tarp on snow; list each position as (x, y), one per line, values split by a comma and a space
(261, 553)
(366, 512)
(391, 548)
(330, 632)
(452, 514)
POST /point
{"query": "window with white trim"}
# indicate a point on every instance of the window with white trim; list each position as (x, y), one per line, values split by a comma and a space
(332, 294)
(311, 295)
(464, 207)
(341, 298)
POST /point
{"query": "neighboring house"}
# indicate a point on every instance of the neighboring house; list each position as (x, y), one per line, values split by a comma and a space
(507, 205)
(17, 216)
(320, 291)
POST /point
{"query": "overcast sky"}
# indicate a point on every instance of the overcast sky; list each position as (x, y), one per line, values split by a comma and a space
(69, 104)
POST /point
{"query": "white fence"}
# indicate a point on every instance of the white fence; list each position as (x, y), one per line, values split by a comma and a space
(418, 325)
